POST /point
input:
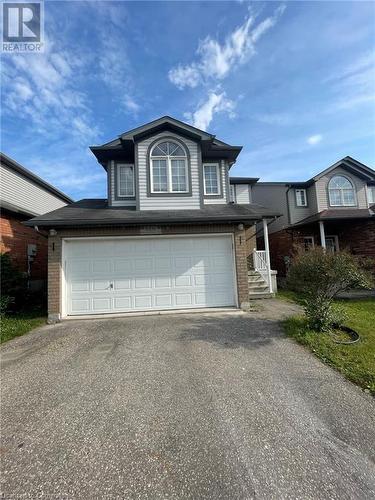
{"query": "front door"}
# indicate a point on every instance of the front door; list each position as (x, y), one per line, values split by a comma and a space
(332, 243)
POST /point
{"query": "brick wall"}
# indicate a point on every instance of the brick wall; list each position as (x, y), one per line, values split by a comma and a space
(14, 238)
(55, 246)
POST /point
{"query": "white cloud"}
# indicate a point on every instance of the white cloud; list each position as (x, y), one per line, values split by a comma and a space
(314, 139)
(281, 119)
(40, 88)
(131, 105)
(185, 76)
(353, 85)
(215, 103)
(215, 59)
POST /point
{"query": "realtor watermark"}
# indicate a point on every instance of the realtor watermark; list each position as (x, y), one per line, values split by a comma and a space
(23, 27)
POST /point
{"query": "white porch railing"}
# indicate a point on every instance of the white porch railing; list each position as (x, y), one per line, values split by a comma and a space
(261, 265)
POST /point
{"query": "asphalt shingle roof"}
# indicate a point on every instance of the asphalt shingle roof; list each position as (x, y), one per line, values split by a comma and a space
(96, 212)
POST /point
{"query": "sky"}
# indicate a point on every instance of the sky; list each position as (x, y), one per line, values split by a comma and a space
(291, 82)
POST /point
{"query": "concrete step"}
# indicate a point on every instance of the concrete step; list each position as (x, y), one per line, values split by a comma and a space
(252, 279)
(265, 295)
(258, 287)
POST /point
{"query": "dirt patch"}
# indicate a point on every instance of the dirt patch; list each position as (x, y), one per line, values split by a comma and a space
(274, 309)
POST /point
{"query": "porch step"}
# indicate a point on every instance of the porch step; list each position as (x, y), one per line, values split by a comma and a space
(258, 286)
(265, 295)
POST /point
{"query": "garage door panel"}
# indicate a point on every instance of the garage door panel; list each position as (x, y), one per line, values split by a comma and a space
(122, 284)
(122, 265)
(144, 265)
(177, 273)
(182, 281)
(100, 266)
(163, 300)
(184, 299)
(122, 303)
(143, 283)
(80, 286)
(101, 304)
(143, 301)
(80, 306)
(79, 267)
(163, 282)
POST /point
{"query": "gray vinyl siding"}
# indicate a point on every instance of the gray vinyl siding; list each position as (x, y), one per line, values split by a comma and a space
(242, 192)
(112, 172)
(21, 194)
(146, 202)
(299, 213)
(223, 167)
(322, 189)
(272, 197)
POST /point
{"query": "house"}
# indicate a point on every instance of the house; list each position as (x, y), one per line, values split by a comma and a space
(166, 237)
(23, 196)
(334, 209)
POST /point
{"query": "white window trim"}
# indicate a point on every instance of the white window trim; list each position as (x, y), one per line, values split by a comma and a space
(232, 191)
(336, 238)
(118, 167)
(168, 159)
(369, 189)
(354, 204)
(302, 204)
(219, 180)
(310, 238)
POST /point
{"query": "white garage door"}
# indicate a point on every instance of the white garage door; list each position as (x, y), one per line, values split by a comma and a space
(153, 273)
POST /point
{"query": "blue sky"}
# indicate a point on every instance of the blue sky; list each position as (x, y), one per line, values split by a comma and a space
(294, 83)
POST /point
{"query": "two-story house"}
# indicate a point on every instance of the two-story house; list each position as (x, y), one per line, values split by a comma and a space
(23, 196)
(168, 235)
(334, 209)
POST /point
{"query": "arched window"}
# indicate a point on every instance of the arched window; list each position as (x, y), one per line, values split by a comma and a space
(168, 168)
(341, 192)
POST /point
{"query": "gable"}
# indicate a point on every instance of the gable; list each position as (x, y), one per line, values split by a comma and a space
(123, 148)
(350, 166)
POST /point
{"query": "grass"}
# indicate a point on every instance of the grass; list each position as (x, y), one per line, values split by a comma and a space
(355, 361)
(19, 324)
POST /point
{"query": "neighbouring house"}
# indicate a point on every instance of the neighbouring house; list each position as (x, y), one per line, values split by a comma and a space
(23, 196)
(334, 209)
(167, 236)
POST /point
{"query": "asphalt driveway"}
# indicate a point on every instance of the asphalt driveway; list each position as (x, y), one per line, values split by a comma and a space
(218, 406)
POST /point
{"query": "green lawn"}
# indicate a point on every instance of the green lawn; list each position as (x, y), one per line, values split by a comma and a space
(19, 324)
(356, 361)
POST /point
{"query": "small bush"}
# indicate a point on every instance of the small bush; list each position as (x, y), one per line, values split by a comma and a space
(321, 276)
(13, 285)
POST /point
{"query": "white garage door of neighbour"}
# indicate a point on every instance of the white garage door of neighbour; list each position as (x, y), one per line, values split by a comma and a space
(153, 273)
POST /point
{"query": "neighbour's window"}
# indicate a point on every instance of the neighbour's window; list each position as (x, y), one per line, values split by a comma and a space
(125, 180)
(308, 242)
(301, 199)
(211, 179)
(371, 195)
(169, 168)
(341, 192)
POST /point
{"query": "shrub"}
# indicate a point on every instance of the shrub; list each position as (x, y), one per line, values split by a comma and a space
(321, 276)
(13, 284)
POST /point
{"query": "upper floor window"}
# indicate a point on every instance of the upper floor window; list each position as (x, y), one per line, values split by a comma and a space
(125, 181)
(169, 168)
(371, 195)
(341, 192)
(301, 200)
(211, 175)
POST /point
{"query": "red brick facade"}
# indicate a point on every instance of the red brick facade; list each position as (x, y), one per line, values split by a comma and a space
(14, 238)
(55, 256)
(356, 236)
